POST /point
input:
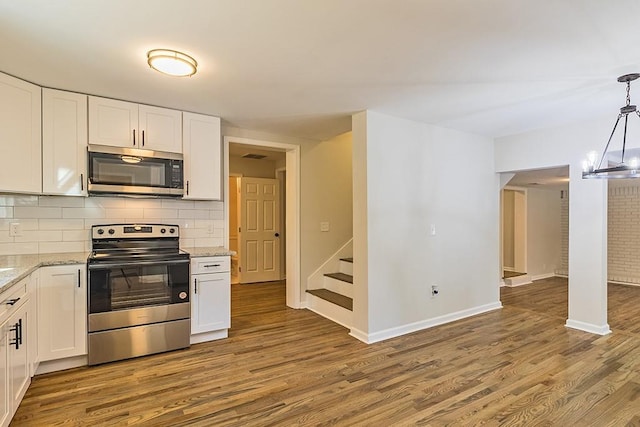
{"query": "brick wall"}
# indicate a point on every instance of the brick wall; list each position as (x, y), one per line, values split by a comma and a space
(623, 232)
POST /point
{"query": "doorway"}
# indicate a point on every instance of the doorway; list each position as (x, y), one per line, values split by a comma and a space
(288, 155)
(514, 232)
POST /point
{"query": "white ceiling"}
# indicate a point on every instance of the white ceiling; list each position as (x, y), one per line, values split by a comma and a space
(301, 68)
(551, 178)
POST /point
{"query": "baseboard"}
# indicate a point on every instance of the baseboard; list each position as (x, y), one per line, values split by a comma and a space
(359, 335)
(209, 336)
(509, 282)
(617, 282)
(423, 324)
(588, 327)
(542, 276)
(61, 364)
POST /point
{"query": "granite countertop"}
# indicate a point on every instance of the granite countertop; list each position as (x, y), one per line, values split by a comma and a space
(14, 268)
(209, 251)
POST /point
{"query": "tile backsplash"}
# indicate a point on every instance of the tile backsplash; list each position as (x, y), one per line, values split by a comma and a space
(62, 224)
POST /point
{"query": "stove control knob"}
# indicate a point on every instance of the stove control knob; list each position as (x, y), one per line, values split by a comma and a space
(100, 231)
(163, 230)
(112, 231)
(172, 230)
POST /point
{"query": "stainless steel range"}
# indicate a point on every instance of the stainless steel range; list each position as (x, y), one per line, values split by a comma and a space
(138, 300)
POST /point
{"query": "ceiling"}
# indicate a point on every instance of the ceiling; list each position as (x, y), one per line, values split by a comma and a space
(551, 178)
(301, 68)
(270, 154)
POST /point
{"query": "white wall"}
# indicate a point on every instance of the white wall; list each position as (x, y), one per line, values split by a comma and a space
(543, 232)
(417, 175)
(62, 224)
(568, 145)
(327, 196)
(256, 168)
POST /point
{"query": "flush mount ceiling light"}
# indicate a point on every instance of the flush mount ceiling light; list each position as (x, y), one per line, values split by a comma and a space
(615, 163)
(172, 62)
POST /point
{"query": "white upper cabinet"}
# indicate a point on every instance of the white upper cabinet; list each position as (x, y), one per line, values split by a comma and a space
(126, 124)
(20, 136)
(161, 129)
(202, 157)
(112, 122)
(64, 143)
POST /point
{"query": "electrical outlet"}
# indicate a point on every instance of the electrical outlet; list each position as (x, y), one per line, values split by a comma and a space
(324, 226)
(15, 229)
(435, 291)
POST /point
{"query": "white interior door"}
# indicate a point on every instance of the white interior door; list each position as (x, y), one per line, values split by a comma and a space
(259, 233)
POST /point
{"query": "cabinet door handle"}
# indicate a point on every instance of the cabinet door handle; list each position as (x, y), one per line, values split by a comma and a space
(134, 137)
(78, 278)
(19, 337)
(195, 286)
(143, 138)
(212, 265)
(81, 182)
(12, 301)
(187, 188)
(17, 328)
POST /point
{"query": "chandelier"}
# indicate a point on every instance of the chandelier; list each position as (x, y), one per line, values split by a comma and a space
(619, 164)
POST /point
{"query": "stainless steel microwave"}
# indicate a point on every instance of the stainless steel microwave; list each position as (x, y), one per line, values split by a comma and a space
(131, 171)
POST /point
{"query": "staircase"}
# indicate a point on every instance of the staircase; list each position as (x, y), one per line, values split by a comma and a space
(335, 299)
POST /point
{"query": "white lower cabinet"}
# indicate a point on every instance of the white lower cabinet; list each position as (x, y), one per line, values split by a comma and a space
(210, 297)
(18, 360)
(62, 312)
(15, 369)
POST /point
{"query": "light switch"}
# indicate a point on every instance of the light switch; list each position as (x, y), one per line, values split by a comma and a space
(324, 226)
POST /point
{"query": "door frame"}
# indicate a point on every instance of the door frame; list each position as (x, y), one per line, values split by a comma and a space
(292, 209)
(524, 236)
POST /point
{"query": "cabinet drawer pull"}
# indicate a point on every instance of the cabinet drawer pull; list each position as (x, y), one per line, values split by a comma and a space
(12, 301)
(212, 265)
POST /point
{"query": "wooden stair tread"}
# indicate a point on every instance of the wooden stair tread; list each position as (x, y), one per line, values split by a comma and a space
(341, 276)
(332, 297)
(347, 260)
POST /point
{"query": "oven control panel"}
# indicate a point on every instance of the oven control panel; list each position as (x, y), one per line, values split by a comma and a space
(134, 231)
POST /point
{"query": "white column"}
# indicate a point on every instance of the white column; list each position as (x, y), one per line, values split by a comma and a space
(587, 253)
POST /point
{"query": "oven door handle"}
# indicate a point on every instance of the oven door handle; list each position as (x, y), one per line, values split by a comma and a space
(103, 265)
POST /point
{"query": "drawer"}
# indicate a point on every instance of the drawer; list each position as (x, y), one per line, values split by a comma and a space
(16, 294)
(213, 264)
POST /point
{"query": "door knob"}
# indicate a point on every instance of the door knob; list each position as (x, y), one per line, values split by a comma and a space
(277, 234)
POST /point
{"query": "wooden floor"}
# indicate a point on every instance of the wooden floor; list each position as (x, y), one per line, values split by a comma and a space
(514, 366)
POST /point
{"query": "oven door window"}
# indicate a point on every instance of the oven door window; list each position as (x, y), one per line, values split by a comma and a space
(112, 169)
(130, 286)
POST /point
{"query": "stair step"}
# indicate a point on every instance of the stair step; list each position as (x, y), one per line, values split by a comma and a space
(341, 276)
(335, 298)
(347, 260)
